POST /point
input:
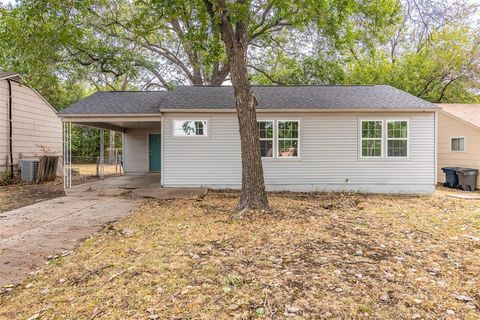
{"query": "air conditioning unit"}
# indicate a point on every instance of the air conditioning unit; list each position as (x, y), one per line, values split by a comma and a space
(29, 169)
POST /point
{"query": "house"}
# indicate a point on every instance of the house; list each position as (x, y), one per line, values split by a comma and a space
(368, 138)
(29, 125)
(458, 137)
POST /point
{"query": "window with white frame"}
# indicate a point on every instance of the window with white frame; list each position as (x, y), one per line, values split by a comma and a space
(265, 132)
(371, 138)
(457, 144)
(287, 139)
(397, 138)
(185, 128)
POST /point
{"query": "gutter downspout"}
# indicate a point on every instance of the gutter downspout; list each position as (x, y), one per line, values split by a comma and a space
(10, 126)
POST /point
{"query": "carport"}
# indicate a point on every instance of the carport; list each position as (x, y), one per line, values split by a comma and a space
(135, 115)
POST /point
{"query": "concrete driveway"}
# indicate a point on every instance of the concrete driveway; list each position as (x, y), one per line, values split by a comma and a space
(29, 235)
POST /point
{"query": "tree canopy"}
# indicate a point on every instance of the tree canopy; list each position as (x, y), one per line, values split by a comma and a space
(432, 52)
(93, 43)
(68, 49)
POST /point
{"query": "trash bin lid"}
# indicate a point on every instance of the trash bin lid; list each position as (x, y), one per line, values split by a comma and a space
(450, 168)
(468, 171)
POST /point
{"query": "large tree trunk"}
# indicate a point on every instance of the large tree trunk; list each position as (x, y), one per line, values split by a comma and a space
(253, 194)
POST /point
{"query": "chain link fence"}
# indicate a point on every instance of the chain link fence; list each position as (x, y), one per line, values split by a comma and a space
(93, 167)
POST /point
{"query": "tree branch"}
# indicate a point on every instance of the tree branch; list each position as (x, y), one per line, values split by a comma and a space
(266, 75)
(191, 54)
(442, 93)
(278, 25)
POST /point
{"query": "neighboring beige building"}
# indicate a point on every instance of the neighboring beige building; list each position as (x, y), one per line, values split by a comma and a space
(36, 128)
(458, 137)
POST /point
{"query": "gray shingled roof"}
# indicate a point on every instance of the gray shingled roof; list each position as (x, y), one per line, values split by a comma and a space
(118, 102)
(297, 97)
(269, 97)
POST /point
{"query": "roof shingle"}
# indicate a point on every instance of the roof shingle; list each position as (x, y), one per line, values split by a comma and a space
(316, 97)
(297, 97)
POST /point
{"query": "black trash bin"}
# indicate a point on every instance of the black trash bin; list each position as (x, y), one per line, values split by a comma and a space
(451, 178)
(467, 178)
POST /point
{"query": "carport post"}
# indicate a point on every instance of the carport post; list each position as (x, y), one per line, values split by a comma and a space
(67, 155)
(102, 153)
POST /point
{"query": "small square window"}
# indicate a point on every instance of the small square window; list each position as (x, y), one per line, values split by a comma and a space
(287, 129)
(265, 129)
(397, 148)
(266, 148)
(457, 144)
(372, 129)
(287, 148)
(398, 129)
(371, 148)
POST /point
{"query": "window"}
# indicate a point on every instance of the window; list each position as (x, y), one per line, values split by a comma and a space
(280, 143)
(287, 139)
(371, 138)
(183, 128)
(265, 131)
(397, 138)
(457, 144)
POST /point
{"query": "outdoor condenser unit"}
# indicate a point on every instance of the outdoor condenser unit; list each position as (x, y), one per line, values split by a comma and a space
(29, 169)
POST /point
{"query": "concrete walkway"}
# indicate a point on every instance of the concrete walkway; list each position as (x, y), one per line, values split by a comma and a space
(29, 235)
(146, 186)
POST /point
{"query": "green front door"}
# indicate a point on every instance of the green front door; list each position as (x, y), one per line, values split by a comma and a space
(154, 152)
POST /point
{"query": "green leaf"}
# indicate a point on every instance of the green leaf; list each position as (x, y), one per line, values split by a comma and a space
(260, 311)
(227, 290)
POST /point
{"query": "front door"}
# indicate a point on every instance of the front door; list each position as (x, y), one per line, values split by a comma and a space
(154, 152)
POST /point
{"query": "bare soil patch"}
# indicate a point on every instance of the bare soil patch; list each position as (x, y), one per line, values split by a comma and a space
(22, 194)
(316, 256)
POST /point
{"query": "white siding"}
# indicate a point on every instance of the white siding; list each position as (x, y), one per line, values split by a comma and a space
(136, 150)
(329, 150)
(37, 129)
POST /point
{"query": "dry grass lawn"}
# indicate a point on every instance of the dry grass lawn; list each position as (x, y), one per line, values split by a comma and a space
(91, 169)
(324, 256)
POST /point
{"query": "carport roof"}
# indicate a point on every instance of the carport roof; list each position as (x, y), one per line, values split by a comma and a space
(117, 102)
(315, 97)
